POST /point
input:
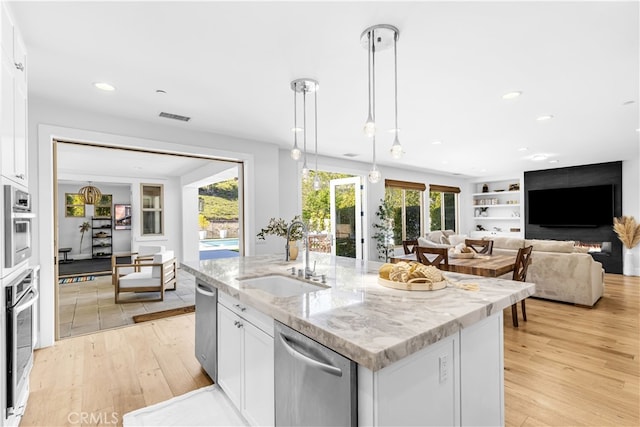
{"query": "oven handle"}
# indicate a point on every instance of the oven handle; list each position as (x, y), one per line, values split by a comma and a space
(28, 301)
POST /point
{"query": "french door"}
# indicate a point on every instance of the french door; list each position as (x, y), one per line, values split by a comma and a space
(346, 217)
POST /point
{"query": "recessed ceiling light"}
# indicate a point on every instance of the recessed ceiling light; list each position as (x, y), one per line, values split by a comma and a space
(483, 170)
(523, 149)
(511, 95)
(538, 157)
(296, 129)
(436, 142)
(444, 162)
(553, 161)
(543, 118)
(104, 86)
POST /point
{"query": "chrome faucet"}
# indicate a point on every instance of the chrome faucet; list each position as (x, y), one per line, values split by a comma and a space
(308, 273)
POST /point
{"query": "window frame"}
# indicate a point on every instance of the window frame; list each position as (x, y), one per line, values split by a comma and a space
(411, 186)
(158, 210)
(79, 206)
(445, 189)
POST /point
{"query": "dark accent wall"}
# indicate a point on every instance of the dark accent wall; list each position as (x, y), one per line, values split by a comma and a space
(579, 176)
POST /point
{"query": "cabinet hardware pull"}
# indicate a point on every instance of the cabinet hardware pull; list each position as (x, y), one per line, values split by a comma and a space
(239, 307)
(19, 66)
(238, 324)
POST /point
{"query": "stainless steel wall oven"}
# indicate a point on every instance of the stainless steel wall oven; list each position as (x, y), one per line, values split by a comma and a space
(18, 221)
(21, 295)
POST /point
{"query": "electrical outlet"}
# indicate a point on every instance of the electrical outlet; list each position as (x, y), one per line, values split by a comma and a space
(444, 368)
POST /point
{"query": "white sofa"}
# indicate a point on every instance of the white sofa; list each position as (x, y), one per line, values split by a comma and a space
(561, 271)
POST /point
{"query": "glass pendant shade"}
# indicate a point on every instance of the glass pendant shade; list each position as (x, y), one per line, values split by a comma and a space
(296, 153)
(305, 171)
(396, 148)
(369, 127)
(374, 175)
(316, 182)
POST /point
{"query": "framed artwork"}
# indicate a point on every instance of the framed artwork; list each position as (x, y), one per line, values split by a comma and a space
(73, 205)
(122, 217)
(103, 206)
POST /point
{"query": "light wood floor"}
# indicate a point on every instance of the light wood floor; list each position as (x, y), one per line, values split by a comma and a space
(566, 366)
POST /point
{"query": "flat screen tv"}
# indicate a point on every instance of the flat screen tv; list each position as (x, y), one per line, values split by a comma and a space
(571, 207)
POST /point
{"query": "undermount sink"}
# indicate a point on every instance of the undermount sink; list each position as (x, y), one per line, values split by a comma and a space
(282, 286)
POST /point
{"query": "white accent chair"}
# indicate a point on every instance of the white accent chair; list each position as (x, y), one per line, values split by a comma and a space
(153, 276)
(144, 253)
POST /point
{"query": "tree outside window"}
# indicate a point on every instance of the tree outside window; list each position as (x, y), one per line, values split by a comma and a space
(152, 204)
(443, 207)
(406, 200)
(74, 205)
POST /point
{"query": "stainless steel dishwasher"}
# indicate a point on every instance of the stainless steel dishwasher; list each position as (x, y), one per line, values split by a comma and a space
(206, 329)
(314, 385)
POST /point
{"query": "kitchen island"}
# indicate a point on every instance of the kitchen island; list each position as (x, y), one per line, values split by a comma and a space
(432, 357)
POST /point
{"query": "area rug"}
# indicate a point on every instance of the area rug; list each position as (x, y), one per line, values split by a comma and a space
(164, 313)
(207, 406)
(65, 280)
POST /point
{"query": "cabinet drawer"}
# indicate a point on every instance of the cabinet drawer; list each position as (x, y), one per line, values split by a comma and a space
(259, 319)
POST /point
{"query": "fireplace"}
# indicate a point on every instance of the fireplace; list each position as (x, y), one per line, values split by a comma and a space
(603, 248)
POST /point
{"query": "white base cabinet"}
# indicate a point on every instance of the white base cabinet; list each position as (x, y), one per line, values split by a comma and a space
(457, 381)
(245, 360)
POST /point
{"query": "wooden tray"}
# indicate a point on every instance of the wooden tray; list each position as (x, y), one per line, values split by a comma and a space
(462, 255)
(413, 286)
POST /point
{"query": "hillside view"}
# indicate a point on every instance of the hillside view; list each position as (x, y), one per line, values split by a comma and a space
(220, 200)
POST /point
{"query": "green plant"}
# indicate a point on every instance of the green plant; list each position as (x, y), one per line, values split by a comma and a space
(278, 227)
(384, 230)
(83, 229)
(203, 222)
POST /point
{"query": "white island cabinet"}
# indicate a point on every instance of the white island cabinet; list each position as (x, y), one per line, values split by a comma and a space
(423, 358)
(245, 360)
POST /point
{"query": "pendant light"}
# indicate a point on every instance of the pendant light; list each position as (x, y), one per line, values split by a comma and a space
(304, 86)
(90, 194)
(316, 178)
(375, 39)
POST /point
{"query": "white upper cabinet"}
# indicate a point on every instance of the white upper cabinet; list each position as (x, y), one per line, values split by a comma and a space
(13, 101)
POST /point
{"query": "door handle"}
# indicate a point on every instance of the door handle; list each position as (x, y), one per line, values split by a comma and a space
(308, 360)
(204, 291)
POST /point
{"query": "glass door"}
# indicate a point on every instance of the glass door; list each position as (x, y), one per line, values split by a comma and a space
(346, 217)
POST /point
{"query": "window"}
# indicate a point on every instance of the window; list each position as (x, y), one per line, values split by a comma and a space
(406, 199)
(152, 203)
(443, 207)
(73, 205)
(103, 206)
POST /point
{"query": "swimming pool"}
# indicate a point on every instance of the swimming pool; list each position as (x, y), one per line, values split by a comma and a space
(221, 243)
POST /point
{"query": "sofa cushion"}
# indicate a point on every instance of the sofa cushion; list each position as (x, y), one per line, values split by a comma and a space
(513, 243)
(429, 244)
(562, 246)
(434, 236)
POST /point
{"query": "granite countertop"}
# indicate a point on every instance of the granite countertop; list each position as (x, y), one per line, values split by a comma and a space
(355, 316)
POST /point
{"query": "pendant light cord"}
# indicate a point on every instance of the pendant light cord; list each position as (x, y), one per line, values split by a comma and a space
(369, 72)
(315, 112)
(395, 75)
(295, 119)
(304, 122)
(373, 73)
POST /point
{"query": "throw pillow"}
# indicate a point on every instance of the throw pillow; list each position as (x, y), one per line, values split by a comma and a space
(429, 244)
(456, 239)
(434, 236)
(444, 240)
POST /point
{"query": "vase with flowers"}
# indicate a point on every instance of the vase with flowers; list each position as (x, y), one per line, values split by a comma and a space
(629, 234)
(278, 227)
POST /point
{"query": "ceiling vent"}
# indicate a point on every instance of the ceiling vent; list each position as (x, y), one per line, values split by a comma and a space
(175, 117)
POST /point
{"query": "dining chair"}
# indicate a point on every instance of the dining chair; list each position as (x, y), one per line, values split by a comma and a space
(523, 259)
(441, 256)
(484, 247)
(409, 246)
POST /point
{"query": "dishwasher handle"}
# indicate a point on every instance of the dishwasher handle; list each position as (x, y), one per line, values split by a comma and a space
(308, 360)
(204, 291)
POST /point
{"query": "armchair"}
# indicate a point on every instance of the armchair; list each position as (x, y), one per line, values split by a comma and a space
(154, 276)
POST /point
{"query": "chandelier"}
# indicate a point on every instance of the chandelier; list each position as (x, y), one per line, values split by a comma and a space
(378, 38)
(90, 194)
(304, 86)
